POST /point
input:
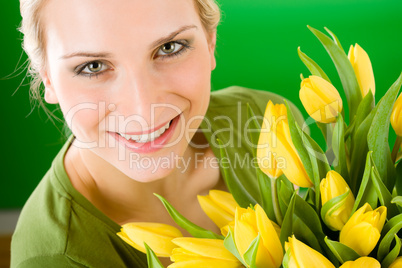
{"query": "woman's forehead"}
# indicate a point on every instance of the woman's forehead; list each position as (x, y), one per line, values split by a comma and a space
(103, 22)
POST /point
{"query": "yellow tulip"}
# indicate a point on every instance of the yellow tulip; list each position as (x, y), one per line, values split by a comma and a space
(220, 207)
(366, 262)
(284, 149)
(330, 187)
(200, 252)
(302, 256)
(320, 99)
(362, 66)
(362, 231)
(248, 224)
(266, 160)
(396, 116)
(225, 229)
(397, 263)
(158, 236)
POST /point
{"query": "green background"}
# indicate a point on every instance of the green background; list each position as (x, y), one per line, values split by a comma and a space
(257, 48)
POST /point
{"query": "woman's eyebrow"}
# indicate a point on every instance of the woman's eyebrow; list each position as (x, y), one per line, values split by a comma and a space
(157, 43)
(87, 54)
(172, 35)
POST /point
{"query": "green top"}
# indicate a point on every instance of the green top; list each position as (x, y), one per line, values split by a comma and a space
(59, 227)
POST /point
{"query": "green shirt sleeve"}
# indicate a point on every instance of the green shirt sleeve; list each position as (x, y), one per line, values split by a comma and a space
(59, 261)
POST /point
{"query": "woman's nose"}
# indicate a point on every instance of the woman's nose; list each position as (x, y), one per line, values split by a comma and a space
(136, 94)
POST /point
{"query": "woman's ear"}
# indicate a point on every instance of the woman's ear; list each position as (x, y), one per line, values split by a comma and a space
(212, 45)
(50, 94)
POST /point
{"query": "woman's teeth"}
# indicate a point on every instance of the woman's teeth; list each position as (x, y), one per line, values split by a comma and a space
(147, 137)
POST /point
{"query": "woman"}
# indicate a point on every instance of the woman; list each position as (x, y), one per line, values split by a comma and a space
(132, 79)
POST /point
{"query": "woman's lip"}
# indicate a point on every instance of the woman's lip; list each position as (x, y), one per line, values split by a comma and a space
(147, 131)
(152, 146)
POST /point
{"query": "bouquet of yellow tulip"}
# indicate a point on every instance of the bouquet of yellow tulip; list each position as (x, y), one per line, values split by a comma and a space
(338, 207)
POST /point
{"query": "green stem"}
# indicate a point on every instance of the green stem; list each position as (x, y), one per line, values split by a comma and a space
(275, 201)
(397, 145)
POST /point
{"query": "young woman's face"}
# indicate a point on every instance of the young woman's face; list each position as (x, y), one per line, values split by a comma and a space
(129, 68)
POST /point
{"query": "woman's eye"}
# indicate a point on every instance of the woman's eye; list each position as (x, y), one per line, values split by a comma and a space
(94, 67)
(170, 49)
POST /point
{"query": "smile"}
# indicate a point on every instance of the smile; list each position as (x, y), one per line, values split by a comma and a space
(148, 142)
(147, 137)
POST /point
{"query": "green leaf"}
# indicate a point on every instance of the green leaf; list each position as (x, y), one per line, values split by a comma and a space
(152, 259)
(287, 224)
(345, 71)
(367, 193)
(236, 188)
(250, 255)
(319, 163)
(384, 195)
(338, 146)
(254, 128)
(229, 244)
(286, 259)
(393, 254)
(364, 109)
(285, 194)
(298, 143)
(390, 229)
(190, 227)
(336, 40)
(308, 215)
(378, 136)
(342, 252)
(397, 200)
(398, 183)
(313, 67)
(266, 194)
(359, 150)
(332, 206)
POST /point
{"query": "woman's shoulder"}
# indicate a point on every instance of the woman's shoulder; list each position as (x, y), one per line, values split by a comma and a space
(232, 99)
(58, 227)
(233, 94)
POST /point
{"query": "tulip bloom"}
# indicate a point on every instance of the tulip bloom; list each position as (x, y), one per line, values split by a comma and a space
(320, 99)
(300, 256)
(220, 207)
(362, 66)
(248, 224)
(284, 149)
(366, 262)
(362, 231)
(396, 116)
(158, 236)
(330, 187)
(266, 159)
(200, 252)
(397, 263)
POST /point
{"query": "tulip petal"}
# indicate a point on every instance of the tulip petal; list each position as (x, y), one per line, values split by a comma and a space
(284, 149)
(217, 214)
(366, 262)
(212, 248)
(363, 69)
(269, 236)
(207, 263)
(157, 236)
(306, 257)
(362, 238)
(396, 116)
(225, 200)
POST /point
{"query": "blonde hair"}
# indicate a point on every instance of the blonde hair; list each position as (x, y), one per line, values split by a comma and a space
(34, 41)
